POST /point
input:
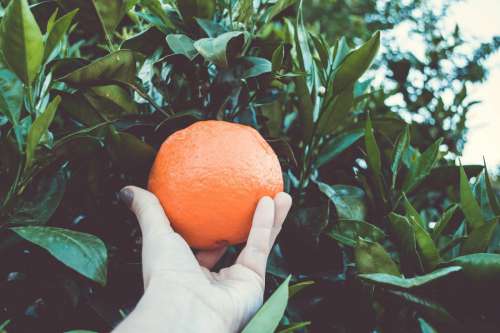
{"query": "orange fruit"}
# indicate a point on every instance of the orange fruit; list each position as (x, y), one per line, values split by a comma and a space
(209, 178)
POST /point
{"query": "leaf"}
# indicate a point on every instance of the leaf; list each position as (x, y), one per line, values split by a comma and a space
(37, 205)
(337, 145)
(406, 240)
(57, 31)
(182, 44)
(349, 201)
(468, 203)
(321, 48)
(21, 41)
(255, 66)
(479, 238)
(356, 63)
(269, 315)
(371, 257)
(145, 42)
(418, 281)
(443, 222)
(154, 6)
(303, 50)
(427, 249)
(372, 149)
(412, 212)
(82, 252)
(128, 151)
(221, 49)
(110, 101)
(11, 99)
(347, 232)
(110, 14)
(39, 127)
(297, 287)
(293, 327)
(243, 11)
(276, 9)
(191, 9)
(335, 113)
(341, 51)
(492, 198)
(422, 167)
(305, 107)
(399, 150)
(278, 57)
(212, 29)
(479, 267)
(119, 65)
(425, 327)
(448, 175)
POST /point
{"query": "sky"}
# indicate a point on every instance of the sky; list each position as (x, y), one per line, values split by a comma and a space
(479, 21)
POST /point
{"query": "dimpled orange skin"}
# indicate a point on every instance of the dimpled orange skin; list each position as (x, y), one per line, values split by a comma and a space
(209, 178)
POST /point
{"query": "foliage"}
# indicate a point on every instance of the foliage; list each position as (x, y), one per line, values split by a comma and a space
(385, 233)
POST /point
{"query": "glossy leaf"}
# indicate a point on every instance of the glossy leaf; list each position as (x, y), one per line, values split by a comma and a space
(404, 233)
(297, 287)
(399, 150)
(82, 252)
(57, 31)
(338, 144)
(356, 63)
(305, 107)
(243, 11)
(255, 66)
(276, 9)
(371, 257)
(269, 315)
(335, 113)
(11, 95)
(422, 167)
(221, 49)
(468, 203)
(110, 101)
(39, 127)
(479, 267)
(119, 65)
(425, 327)
(427, 249)
(190, 9)
(303, 49)
(21, 41)
(129, 151)
(443, 222)
(412, 212)
(212, 29)
(278, 57)
(479, 239)
(293, 327)
(418, 281)
(110, 14)
(341, 51)
(347, 232)
(492, 197)
(155, 7)
(182, 44)
(349, 201)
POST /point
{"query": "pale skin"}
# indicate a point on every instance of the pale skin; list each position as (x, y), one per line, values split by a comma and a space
(181, 293)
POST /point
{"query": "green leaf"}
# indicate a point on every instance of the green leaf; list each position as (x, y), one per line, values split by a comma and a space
(110, 101)
(277, 58)
(82, 252)
(347, 232)
(243, 11)
(349, 201)
(293, 327)
(154, 6)
(39, 127)
(321, 48)
(356, 63)
(21, 41)
(479, 267)
(305, 107)
(110, 14)
(223, 48)
(255, 66)
(119, 66)
(412, 212)
(11, 99)
(338, 144)
(443, 222)
(129, 151)
(57, 31)
(406, 240)
(422, 167)
(418, 281)
(400, 148)
(427, 249)
(39, 202)
(182, 44)
(341, 51)
(425, 327)
(492, 198)
(468, 203)
(297, 287)
(212, 29)
(335, 112)
(479, 238)
(303, 50)
(372, 149)
(371, 257)
(276, 9)
(269, 315)
(191, 9)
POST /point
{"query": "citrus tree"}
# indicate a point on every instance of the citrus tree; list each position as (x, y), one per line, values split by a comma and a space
(384, 234)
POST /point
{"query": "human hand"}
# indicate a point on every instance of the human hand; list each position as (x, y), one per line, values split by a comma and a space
(181, 293)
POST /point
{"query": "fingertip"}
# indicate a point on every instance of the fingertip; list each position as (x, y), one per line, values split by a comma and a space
(283, 199)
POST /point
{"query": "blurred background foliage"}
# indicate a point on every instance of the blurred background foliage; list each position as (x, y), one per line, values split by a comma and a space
(388, 233)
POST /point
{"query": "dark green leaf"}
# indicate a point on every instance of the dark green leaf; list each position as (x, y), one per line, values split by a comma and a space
(39, 127)
(443, 222)
(211, 28)
(155, 7)
(277, 58)
(349, 201)
(255, 66)
(492, 198)
(276, 9)
(356, 63)
(269, 315)
(335, 113)
(338, 144)
(406, 240)
(468, 203)
(182, 44)
(110, 13)
(422, 167)
(145, 42)
(119, 65)
(479, 238)
(223, 48)
(82, 252)
(11, 99)
(341, 51)
(57, 32)
(418, 281)
(371, 257)
(399, 150)
(190, 9)
(110, 101)
(297, 287)
(293, 327)
(425, 327)
(347, 232)
(303, 50)
(129, 151)
(412, 212)
(479, 267)
(243, 11)
(427, 249)
(321, 48)
(305, 107)
(21, 41)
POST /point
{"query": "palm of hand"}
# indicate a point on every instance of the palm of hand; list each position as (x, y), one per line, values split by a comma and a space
(181, 283)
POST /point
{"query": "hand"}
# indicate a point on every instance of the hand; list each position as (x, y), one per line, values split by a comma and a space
(181, 293)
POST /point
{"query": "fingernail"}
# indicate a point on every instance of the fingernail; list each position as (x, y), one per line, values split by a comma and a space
(126, 196)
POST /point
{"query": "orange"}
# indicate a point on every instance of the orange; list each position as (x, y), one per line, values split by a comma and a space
(209, 178)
